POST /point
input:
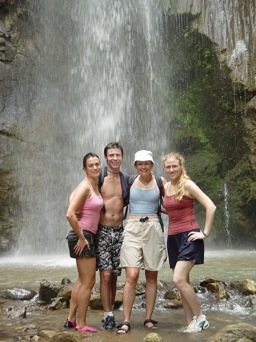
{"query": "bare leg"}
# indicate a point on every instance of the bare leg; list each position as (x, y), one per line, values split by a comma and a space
(113, 290)
(190, 303)
(132, 276)
(73, 301)
(151, 291)
(106, 290)
(86, 270)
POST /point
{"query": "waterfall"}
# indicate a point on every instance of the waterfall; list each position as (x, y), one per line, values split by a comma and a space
(227, 216)
(97, 76)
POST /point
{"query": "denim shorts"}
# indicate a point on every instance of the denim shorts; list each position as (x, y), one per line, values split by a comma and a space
(180, 249)
(72, 241)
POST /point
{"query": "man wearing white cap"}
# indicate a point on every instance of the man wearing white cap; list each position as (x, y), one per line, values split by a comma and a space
(143, 240)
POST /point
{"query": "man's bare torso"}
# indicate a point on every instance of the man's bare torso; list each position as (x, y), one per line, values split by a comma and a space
(111, 192)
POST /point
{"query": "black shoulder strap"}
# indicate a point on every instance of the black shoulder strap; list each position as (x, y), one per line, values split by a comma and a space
(160, 186)
(132, 179)
(161, 190)
(103, 174)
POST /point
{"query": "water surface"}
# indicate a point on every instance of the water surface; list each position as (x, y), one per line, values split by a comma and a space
(228, 265)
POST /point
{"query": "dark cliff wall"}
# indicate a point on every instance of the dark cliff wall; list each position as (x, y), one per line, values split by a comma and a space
(15, 62)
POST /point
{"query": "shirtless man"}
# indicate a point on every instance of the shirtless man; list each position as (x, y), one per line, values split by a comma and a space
(115, 193)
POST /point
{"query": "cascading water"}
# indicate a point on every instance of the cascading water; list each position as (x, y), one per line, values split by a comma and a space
(98, 77)
(227, 215)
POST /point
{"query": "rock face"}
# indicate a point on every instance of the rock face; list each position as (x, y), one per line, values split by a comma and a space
(231, 26)
(217, 139)
(15, 59)
(220, 38)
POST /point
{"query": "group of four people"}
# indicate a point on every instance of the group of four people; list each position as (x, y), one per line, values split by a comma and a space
(95, 214)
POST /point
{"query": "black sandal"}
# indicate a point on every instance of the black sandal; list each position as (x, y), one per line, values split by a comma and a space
(121, 330)
(154, 326)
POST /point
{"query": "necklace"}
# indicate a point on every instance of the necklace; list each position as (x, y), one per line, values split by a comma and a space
(145, 183)
(115, 173)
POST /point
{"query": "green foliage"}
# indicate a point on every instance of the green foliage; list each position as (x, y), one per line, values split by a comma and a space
(206, 112)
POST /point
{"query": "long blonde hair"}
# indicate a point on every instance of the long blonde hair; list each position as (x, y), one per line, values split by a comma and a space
(180, 190)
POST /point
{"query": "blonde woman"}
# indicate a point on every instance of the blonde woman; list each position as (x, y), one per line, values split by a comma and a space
(185, 243)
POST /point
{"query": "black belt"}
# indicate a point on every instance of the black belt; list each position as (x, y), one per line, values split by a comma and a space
(144, 219)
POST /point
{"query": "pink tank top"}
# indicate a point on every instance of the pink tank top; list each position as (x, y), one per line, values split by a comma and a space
(180, 213)
(90, 213)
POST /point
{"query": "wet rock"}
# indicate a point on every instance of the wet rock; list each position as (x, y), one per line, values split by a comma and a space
(162, 285)
(173, 299)
(18, 294)
(215, 287)
(249, 303)
(199, 289)
(35, 338)
(222, 295)
(95, 302)
(57, 304)
(235, 333)
(174, 304)
(65, 291)
(172, 294)
(66, 281)
(153, 337)
(48, 291)
(47, 334)
(247, 287)
(54, 336)
(211, 280)
(31, 328)
(118, 301)
(64, 337)
(207, 280)
(140, 289)
(17, 312)
(119, 286)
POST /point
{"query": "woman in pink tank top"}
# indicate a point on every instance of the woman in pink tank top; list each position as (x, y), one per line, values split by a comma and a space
(185, 243)
(86, 200)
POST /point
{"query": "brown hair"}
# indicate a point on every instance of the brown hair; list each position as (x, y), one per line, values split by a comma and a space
(113, 145)
(89, 155)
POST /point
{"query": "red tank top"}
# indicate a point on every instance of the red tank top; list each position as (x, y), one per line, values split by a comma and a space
(180, 213)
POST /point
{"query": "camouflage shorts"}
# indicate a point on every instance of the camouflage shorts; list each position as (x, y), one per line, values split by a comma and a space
(108, 245)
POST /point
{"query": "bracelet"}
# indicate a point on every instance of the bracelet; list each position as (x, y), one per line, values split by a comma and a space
(205, 235)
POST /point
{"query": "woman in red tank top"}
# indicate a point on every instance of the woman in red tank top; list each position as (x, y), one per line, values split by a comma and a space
(185, 243)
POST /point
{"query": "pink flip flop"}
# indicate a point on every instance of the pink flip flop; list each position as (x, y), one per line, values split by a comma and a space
(69, 324)
(87, 329)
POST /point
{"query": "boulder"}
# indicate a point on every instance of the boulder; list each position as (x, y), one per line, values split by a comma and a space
(240, 332)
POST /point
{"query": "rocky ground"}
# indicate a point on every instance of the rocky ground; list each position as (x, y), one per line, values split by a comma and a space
(25, 316)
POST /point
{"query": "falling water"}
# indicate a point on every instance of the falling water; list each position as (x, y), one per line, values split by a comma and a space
(97, 76)
(227, 216)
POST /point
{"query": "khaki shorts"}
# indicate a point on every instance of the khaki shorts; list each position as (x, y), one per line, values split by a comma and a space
(143, 245)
